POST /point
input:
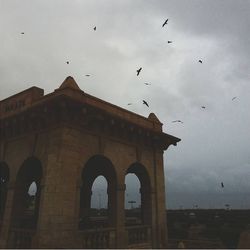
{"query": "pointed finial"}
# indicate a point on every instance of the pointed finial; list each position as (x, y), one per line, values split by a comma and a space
(153, 118)
(69, 82)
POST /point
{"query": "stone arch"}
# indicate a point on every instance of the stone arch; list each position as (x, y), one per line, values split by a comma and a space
(4, 179)
(97, 165)
(23, 216)
(145, 189)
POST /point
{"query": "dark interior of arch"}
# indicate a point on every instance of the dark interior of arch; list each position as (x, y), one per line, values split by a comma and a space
(23, 215)
(97, 166)
(31, 170)
(140, 171)
(4, 172)
(4, 178)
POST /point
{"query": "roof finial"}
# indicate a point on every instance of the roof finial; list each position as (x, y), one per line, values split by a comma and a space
(69, 82)
(153, 117)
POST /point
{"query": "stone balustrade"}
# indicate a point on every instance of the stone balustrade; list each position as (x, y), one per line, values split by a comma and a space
(98, 238)
(140, 234)
(20, 238)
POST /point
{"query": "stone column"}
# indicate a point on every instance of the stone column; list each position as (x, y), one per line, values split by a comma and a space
(7, 216)
(85, 203)
(121, 233)
(160, 207)
(154, 236)
(149, 212)
(3, 197)
(59, 196)
(146, 205)
(50, 210)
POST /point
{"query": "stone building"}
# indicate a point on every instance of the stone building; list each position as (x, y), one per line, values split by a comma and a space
(61, 142)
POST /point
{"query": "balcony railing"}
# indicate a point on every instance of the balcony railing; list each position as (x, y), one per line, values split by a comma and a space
(195, 244)
(20, 238)
(138, 235)
(91, 238)
(98, 238)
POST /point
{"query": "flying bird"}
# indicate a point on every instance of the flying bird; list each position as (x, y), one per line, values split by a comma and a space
(87, 75)
(165, 23)
(138, 71)
(130, 103)
(67, 62)
(222, 184)
(147, 83)
(94, 28)
(144, 102)
(234, 98)
(170, 41)
(22, 33)
(203, 107)
(200, 61)
(178, 121)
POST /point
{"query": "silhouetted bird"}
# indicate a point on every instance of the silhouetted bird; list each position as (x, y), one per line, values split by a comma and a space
(203, 107)
(147, 83)
(138, 71)
(222, 184)
(87, 75)
(22, 33)
(234, 98)
(200, 61)
(130, 103)
(95, 28)
(144, 102)
(170, 41)
(178, 121)
(165, 23)
(67, 62)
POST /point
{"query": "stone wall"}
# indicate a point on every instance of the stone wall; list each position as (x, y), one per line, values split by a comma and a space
(63, 153)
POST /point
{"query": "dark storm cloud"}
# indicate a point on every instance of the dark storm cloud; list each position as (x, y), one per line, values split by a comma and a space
(129, 35)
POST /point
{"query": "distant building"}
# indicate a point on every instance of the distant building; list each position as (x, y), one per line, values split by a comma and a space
(62, 142)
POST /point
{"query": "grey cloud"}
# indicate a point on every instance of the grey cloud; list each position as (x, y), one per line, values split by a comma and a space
(215, 141)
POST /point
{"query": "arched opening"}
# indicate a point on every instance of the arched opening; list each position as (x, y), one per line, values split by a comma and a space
(133, 214)
(143, 211)
(4, 178)
(99, 199)
(27, 195)
(99, 202)
(31, 201)
(98, 194)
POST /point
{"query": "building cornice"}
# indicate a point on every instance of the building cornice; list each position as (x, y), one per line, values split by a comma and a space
(70, 105)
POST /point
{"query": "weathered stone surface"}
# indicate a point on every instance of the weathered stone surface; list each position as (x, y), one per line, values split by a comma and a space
(70, 138)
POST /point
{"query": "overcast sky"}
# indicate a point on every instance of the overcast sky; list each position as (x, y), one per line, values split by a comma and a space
(215, 144)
